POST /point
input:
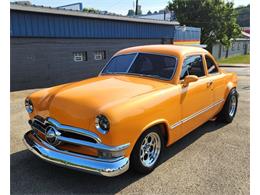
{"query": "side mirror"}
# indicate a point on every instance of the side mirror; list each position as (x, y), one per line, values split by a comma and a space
(189, 79)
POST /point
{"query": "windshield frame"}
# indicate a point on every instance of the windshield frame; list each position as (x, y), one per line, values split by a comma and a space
(140, 75)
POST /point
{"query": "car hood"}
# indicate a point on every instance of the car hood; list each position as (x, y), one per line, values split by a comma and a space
(80, 101)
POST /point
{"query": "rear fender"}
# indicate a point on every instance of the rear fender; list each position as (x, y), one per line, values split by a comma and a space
(232, 83)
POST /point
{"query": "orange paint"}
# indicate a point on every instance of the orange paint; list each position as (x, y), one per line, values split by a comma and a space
(134, 103)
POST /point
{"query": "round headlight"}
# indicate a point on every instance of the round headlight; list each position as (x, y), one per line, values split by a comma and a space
(102, 124)
(28, 105)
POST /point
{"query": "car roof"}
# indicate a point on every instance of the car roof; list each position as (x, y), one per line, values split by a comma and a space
(166, 49)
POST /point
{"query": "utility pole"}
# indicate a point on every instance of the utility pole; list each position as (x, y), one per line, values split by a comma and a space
(136, 7)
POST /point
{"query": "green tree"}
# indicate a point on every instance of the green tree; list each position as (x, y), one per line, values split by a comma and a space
(131, 12)
(216, 19)
(230, 29)
(149, 12)
(91, 10)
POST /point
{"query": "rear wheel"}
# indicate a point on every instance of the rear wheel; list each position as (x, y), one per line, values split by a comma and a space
(229, 109)
(147, 151)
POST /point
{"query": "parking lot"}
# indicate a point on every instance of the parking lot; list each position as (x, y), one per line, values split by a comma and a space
(213, 159)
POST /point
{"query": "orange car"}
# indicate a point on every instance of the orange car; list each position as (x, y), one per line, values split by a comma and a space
(145, 98)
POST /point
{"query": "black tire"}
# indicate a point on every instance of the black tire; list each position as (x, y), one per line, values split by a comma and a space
(135, 159)
(225, 114)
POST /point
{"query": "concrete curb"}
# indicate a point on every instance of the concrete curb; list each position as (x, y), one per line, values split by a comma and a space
(235, 65)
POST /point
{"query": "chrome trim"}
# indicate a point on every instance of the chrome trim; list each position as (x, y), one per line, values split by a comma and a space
(100, 73)
(97, 125)
(98, 146)
(136, 55)
(29, 105)
(196, 114)
(105, 167)
(101, 130)
(176, 124)
(150, 149)
(71, 129)
(232, 106)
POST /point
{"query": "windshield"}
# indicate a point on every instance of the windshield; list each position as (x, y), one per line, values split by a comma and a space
(144, 64)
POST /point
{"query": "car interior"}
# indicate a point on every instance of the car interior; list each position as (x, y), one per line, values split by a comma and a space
(154, 65)
(192, 65)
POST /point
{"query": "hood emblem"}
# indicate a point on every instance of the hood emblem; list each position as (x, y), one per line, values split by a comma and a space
(52, 136)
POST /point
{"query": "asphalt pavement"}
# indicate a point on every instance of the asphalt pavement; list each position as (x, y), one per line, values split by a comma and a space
(213, 159)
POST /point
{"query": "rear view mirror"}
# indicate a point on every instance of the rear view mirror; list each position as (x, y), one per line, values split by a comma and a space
(189, 79)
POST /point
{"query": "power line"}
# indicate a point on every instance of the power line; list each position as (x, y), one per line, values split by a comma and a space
(136, 7)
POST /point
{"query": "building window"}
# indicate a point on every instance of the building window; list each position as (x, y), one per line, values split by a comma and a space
(232, 47)
(80, 56)
(100, 55)
(238, 46)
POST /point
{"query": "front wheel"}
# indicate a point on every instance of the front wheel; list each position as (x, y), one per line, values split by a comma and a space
(147, 151)
(229, 109)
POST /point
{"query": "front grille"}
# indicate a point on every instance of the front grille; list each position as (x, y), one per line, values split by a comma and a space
(40, 125)
(77, 136)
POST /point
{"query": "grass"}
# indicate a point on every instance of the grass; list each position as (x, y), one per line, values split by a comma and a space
(243, 59)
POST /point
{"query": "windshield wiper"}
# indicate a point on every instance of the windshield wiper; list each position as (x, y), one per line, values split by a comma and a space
(145, 75)
(112, 73)
(136, 74)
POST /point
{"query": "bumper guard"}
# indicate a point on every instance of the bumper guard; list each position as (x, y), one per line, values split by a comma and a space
(99, 166)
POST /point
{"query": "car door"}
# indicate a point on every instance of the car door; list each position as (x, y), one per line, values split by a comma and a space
(196, 98)
(218, 85)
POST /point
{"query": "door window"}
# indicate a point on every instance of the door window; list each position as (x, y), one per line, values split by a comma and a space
(192, 65)
(212, 68)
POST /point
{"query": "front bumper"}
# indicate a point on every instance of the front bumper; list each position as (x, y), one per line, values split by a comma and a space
(99, 166)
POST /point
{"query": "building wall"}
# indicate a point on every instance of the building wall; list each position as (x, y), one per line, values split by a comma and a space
(187, 35)
(42, 43)
(239, 47)
(32, 24)
(43, 62)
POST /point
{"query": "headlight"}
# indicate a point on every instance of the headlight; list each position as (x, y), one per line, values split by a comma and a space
(28, 105)
(102, 124)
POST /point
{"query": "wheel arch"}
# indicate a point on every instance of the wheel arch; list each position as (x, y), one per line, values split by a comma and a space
(230, 86)
(162, 124)
(232, 83)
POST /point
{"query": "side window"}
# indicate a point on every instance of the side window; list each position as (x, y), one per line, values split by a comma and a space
(192, 65)
(212, 68)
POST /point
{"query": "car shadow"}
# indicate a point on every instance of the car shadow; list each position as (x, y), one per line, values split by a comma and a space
(30, 174)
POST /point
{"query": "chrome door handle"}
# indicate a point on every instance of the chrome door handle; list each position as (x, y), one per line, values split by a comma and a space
(209, 83)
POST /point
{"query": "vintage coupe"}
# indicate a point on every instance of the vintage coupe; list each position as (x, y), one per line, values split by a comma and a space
(144, 99)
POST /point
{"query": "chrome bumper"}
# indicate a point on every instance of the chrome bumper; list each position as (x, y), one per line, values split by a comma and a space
(99, 166)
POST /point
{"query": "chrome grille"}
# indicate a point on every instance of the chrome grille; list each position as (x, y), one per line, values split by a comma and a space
(67, 138)
(40, 124)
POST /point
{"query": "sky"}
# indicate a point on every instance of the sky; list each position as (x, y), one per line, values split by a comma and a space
(117, 6)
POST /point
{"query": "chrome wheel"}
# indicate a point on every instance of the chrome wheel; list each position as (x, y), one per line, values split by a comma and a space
(150, 149)
(232, 106)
